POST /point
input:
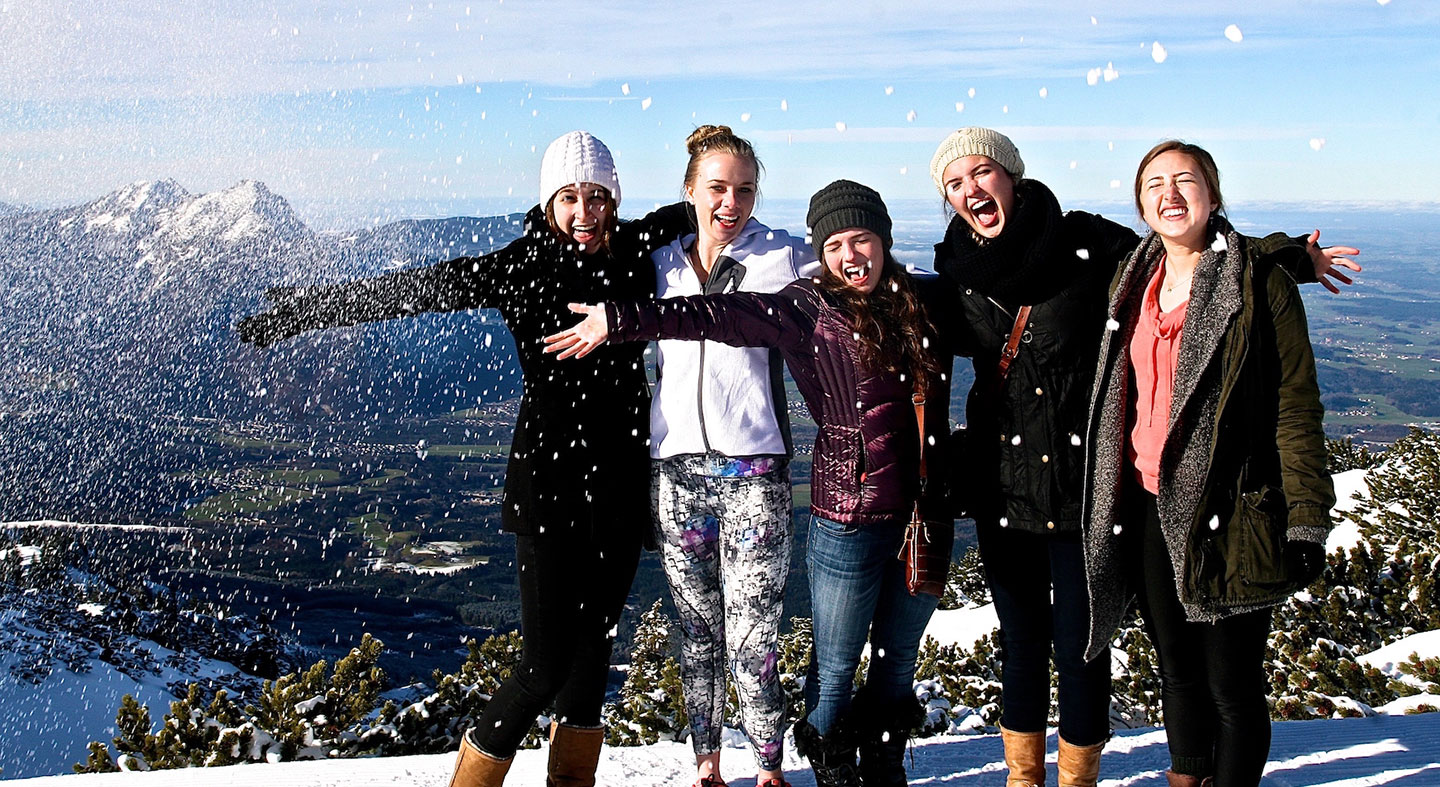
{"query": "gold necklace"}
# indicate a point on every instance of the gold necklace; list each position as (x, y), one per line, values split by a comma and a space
(1172, 285)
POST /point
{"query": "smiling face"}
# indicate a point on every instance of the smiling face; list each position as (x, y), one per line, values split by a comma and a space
(1174, 198)
(981, 192)
(582, 212)
(856, 257)
(723, 192)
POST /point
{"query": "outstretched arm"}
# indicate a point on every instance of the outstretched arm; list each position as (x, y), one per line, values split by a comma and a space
(583, 337)
(1327, 258)
(740, 319)
(454, 285)
(1317, 264)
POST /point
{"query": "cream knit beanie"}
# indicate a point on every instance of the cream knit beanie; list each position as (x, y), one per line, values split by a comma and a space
(577, 157)
(976, 141)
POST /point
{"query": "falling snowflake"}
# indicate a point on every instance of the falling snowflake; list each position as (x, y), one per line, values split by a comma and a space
(910, 116)
(889, 90)
(784, 105)
(1110, 73)
(1083, 254)
(1157, 53)
(840, 126)
(1317, 142)
(645, 104)
(959, 106)
(1044, 92)
(971, 93)
(1233, 33)
(625, 89)
(744, 117)
(1114, 184)
(1092, 77)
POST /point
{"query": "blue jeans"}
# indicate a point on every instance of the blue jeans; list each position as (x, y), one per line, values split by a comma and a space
(857, 587)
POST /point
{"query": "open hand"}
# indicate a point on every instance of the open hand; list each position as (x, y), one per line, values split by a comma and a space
(1328, 259)
(582, 339)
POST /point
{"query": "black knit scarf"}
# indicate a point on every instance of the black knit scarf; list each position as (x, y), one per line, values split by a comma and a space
(1026, 263)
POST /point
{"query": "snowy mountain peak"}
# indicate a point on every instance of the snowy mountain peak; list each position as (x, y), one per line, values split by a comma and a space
(246, 210)
(133, 208)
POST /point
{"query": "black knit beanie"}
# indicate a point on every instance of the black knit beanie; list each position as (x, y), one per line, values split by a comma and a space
(844, 205)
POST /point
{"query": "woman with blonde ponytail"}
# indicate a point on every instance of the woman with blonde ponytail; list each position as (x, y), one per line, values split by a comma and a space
(720, 449)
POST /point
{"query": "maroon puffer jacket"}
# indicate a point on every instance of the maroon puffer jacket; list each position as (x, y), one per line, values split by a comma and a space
(867, 454)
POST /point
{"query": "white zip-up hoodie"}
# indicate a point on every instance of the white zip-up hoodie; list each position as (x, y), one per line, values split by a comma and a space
(711, 396)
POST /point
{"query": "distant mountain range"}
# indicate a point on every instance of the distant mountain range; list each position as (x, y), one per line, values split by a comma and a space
(119, 312)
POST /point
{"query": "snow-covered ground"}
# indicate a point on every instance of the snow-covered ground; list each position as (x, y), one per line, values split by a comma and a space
(48, 723)
(1347, 485)
(46, 720)
(1382, 750)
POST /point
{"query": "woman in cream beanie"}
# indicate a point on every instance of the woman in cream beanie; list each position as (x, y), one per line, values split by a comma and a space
(1015, 264)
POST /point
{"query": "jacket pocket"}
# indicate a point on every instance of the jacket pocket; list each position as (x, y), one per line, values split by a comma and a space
(1257, 547)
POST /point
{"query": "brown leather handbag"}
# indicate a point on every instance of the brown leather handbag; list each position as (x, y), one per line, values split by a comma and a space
(926, 548)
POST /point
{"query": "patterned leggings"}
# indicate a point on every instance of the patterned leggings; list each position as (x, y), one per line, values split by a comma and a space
(725, 535)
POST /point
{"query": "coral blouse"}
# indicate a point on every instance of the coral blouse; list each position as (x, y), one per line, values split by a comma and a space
(1154, 349)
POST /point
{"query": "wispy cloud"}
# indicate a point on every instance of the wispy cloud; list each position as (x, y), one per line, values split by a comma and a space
(1101, 133)
(129, 48)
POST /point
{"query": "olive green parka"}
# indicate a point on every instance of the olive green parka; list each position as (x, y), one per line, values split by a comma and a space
(1242, 470)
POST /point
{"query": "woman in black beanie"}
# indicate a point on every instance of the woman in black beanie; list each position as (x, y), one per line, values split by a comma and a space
(858, 345)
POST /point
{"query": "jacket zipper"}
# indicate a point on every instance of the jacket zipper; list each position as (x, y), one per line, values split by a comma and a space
(700, 399)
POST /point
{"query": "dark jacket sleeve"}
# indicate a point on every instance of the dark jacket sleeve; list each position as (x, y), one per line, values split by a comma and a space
(1291, 255)
(453, 285)
(782, 320)
(1299, 433)
(1110, 242)
(657, 228)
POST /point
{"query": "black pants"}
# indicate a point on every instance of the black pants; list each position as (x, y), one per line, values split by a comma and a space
(1022, 568)
(572, 593)
(1213, 682)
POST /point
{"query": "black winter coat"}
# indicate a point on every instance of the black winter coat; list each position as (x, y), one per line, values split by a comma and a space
(867, 453)
(1023, 462)
(579, 458)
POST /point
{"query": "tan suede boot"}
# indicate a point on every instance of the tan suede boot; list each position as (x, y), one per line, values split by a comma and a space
(475, 768)
(1079, 766)
(1025, 756)
(574, 753)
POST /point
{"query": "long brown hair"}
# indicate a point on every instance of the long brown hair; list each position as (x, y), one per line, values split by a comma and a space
(890, 324)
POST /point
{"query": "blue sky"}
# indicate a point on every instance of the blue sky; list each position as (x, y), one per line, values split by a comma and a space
(357, 111)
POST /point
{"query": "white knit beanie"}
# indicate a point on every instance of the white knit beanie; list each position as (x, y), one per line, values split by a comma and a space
(976, 141)
(577, 157)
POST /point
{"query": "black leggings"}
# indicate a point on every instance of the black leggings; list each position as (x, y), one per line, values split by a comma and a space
(572, 593)
(1021, 569)
(1213, 679)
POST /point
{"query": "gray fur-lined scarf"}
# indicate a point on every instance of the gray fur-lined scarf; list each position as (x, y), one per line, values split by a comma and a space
(1216, 299)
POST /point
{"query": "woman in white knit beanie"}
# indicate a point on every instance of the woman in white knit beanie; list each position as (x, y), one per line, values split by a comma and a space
(576, 489)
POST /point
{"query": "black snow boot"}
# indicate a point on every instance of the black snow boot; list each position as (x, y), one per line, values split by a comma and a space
(831, 757)
(882, 739)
